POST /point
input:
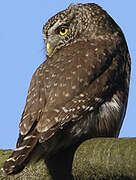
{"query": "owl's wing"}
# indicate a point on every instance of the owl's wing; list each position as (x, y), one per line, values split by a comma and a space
(108, 75)
(28, 135)
(32, 110)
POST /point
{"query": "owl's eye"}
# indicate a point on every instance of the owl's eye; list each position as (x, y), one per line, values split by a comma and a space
(63, 30)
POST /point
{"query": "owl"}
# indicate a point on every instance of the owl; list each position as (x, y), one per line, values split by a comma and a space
(79, 92)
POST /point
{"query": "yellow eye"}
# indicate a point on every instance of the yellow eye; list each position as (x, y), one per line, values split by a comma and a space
(63, 31)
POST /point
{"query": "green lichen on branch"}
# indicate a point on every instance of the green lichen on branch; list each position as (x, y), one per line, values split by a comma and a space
(106, 158)
(95, 159)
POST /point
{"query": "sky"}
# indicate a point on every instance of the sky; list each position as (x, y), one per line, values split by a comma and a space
(22, 50)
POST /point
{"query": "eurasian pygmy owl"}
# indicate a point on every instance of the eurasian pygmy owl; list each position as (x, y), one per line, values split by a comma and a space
(80, 91)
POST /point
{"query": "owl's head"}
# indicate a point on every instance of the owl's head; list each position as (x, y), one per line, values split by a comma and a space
(81, 22)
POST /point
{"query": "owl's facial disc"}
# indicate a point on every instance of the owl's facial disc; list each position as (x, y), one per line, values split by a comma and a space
(56, 39)
(56, 36)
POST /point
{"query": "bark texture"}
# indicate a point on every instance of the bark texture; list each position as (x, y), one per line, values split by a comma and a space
(95, 159)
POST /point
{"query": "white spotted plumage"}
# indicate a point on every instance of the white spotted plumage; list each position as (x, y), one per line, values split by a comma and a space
(80, 91)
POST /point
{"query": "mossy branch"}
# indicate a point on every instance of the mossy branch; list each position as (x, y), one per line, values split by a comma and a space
(95, 159)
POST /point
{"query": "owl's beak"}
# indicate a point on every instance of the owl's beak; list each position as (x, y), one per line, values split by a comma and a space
(50, 47)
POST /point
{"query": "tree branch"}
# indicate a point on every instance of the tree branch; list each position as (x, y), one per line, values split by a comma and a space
(95, 159)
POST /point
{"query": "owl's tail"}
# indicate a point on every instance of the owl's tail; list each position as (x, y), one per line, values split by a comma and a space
(21, 155)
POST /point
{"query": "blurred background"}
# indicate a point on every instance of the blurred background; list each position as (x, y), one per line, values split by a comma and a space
(22, 50)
